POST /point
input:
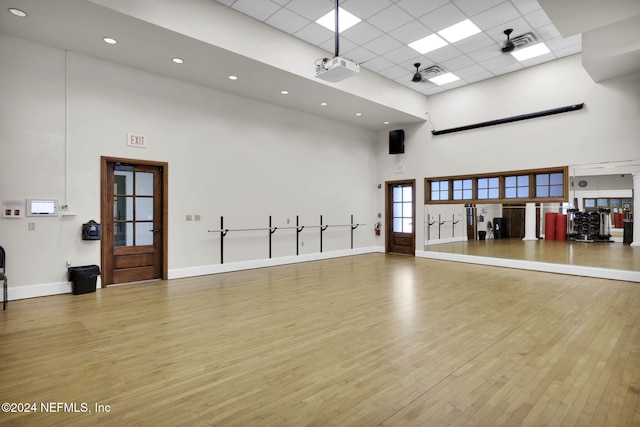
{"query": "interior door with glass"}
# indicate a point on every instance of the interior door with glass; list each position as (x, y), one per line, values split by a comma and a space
(133, 221)
(400, 236)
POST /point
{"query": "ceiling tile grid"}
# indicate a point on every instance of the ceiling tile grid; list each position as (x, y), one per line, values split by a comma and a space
(379, 42)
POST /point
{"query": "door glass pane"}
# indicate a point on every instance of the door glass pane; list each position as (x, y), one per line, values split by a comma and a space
(397, 209)
(123, 208)
(123, 234)
(407, 210)
(406, 194)
(144, 208)
(397, 225)
(397, 194)
(144, 184)
(407, 225)
(123, 182)
(144, 235)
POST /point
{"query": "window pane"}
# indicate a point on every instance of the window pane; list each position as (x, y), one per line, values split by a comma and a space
(444, 186)
(407, 226)
(614, 203)
(457, 194)
(397, 210)
(144, 235)
(444, 195)
(542, 179)
(123, 208)
(483, 194)
(397, 194)
(556, 191)
(510, 181)
(627, 202)
(589, 203)
(556, 179)
(407, 211)
(397, 225)
(493, 182)
(123, 234)
(457, 184)
(144, 184)
(406, 194)
(523, 180)
(603, 203)
(493, 193)
(467, 184)
(542, 191)
(144, 209)
(510, 193)
(123, 182)
(435, 195)
(467, 194)
(483, 182)
(523, 191)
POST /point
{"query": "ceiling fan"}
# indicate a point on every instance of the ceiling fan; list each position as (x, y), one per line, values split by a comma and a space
(508, 46)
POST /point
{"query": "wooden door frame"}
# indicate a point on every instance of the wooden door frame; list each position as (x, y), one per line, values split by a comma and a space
(389, 213)
(105, 259)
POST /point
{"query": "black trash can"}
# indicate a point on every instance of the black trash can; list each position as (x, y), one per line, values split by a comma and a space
(83, 279)
(482, 235)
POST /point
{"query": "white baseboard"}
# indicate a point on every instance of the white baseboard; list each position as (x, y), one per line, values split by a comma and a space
(446, 240)
(204, 270)
(57, 288)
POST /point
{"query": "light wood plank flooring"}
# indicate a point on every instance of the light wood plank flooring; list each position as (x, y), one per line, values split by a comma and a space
(605, 255)
(369, 340)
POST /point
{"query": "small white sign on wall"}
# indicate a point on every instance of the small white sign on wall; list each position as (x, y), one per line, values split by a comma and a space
(136, 141)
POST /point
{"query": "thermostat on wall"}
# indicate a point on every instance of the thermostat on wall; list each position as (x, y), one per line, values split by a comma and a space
(42, 207)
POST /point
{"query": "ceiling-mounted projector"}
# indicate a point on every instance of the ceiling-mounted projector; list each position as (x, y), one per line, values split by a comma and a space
(336, 69)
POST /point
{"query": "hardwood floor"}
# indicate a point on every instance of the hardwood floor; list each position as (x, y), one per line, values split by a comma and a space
(606, 255)
(369, 340)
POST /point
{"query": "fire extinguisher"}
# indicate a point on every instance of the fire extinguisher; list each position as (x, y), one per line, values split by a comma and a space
(377, 228)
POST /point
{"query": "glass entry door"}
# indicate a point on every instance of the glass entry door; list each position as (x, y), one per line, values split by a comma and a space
(133, 234)
(401, 217)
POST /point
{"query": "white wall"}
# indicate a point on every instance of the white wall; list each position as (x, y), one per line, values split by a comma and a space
(607, 129)
(228, 156)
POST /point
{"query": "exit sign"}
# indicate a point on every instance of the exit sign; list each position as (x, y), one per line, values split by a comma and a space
(136, 140)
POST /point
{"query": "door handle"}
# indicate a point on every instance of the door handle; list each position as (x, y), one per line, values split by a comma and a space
(155, 230)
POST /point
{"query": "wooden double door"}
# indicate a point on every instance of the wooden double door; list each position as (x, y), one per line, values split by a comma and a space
(133, 216)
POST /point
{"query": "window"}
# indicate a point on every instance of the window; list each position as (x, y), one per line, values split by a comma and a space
(440, 190)
(462, 189)
(615, 204)
(535, 185)
(403, 209)
(516, 187)
(550, 184)
(488, 188)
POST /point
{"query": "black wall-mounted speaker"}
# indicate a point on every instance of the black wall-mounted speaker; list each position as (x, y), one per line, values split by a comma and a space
(396, 141)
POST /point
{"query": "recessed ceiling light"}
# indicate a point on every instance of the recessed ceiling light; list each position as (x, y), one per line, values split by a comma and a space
(284, 92)
(444, 79)
(358, 114)
(18, 12)
(324, 104)
(109, 40)
(530, 52)
(347, 20)
(233, 77)
(427, 44)
(178, 60)
(386, 123)
(459, 31)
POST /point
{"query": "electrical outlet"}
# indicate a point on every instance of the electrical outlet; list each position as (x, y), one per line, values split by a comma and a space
(188, 217)
(196, 217)
(31, 226)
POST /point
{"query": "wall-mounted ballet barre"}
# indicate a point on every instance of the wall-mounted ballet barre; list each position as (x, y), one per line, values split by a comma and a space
(441, 222)
(271, 229)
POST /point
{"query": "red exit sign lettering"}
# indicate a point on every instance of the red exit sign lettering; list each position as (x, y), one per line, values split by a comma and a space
(136, 141)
